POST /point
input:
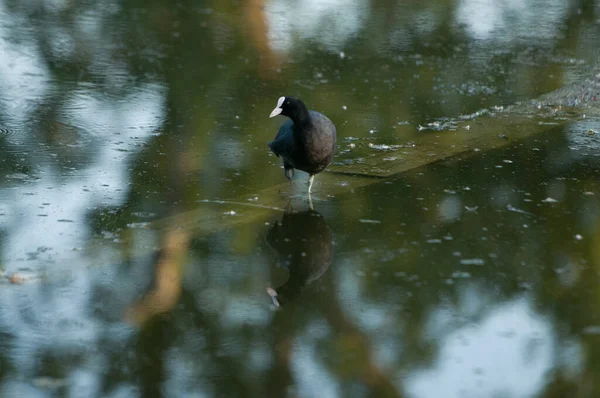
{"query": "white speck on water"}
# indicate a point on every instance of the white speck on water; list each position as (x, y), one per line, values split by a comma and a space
(352, 145)
(549, 200)
(344, 107)
(507, 161)
(588, 193)
(461, 274)
(456, 254)
(303, 254)
(231, 213)
(578, 237)
(466, 189)
(367, 221)
(468, 127)
(237, 117)
(372, 131)
(342, 55)
(498, 166)
(434, 241)
(136, 225)
(472, 261)
(383, 147)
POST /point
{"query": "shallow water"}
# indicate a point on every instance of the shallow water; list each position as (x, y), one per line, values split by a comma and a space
(150, 245)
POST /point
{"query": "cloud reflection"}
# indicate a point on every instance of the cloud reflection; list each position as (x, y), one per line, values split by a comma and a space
(330, 22)
(510, 342)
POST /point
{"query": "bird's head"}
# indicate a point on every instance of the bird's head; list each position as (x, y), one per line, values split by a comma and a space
(291, 107)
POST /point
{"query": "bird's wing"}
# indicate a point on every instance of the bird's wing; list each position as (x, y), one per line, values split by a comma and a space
(282, 139)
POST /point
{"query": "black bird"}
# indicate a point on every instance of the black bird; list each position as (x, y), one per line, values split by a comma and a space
(306, 142)
(304, 244)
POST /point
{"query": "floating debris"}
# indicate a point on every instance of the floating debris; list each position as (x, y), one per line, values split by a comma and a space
(472, 261)
(367, 221)
(461, 274)
(512, 208)
(16, 279)
(136, 225)
(384, 147)
(549, 200)
(578, 237)
(143, 214)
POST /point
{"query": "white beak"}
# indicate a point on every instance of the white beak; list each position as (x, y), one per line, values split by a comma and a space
(276, 112)
(279, 108)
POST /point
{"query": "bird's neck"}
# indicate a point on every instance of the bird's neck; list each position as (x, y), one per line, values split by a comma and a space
(302, 122)
(301, 117)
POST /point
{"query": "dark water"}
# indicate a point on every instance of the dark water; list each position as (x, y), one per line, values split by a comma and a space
(150, 246)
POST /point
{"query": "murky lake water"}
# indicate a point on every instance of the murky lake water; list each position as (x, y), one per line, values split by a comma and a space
(144, 225)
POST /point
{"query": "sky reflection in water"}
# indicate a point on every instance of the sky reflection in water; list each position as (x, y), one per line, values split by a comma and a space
(461, 278)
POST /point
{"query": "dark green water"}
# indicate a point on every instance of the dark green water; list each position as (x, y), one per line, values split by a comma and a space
(143, 220)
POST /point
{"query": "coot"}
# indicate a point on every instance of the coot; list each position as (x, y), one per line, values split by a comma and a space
(306, 142)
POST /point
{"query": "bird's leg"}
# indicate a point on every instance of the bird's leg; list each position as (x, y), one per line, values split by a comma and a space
(289, 172)
(310, 203)
(288, 207)
(310, 182)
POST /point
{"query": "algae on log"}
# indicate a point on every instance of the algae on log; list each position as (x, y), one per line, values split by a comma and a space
(366, 164)
(482, 131)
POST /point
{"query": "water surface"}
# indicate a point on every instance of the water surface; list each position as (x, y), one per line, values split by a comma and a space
(143, 222)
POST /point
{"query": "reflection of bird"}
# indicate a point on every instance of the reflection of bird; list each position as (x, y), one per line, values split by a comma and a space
(304, 243)
(306, 142)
